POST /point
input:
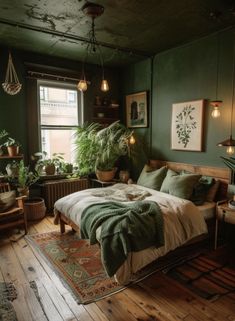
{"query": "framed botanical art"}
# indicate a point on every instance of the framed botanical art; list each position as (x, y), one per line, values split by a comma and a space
(137, 110)
(187, 125)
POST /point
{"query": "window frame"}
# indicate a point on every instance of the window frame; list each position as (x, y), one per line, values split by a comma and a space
(58, 85)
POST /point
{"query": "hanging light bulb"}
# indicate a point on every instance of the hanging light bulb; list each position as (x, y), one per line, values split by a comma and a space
(132, 140)
(230, 150)
(82, 85)
(104, 85)
(215, 104)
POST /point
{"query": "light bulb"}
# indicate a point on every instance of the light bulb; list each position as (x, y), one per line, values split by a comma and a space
(104, 85)
(215, 113)
(230, 150)
(82, 85)
(132, 140)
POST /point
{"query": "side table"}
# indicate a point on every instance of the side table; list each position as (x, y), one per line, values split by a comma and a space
(224, 214)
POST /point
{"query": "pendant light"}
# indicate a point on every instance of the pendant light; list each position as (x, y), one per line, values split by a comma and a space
(230, 142)
(216, 104)
(93, 10)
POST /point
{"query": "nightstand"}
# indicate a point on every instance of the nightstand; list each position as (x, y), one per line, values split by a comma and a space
(223, 214)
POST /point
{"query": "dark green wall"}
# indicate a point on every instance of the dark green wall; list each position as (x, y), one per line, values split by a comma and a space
(183, 74)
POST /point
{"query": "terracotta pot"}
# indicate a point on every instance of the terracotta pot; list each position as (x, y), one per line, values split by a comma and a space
(106, 176)
(50, 169)
(23, 191)
(13, 150)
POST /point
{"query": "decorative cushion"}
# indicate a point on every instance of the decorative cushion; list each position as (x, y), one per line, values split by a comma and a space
(152, 178)
(167, 181)
(7, 200)
(201, 189)
(182, 185)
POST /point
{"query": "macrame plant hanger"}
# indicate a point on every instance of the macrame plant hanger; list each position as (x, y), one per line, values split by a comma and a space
(11, 85)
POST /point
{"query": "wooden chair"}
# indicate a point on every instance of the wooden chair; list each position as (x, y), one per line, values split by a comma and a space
(14, 216)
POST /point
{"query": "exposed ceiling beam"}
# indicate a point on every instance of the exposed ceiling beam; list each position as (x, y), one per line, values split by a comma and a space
(73, 37)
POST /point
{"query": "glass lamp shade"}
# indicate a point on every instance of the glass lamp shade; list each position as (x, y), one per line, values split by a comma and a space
(230, 150)
(215, 112)
(132, 140)
(104, 85)
(82, 85)
(216, 104)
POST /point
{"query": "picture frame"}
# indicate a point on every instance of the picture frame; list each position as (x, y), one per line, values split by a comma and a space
(137, 110)
(187, 125)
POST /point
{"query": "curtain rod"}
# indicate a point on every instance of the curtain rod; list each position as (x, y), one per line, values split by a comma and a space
(73, 37)
(57, 77)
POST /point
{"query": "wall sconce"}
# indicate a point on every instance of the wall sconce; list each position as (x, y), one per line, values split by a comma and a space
(216, 103)
(230, 142)
(92, 10)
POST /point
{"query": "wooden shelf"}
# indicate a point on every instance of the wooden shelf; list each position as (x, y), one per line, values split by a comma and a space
(20, 156)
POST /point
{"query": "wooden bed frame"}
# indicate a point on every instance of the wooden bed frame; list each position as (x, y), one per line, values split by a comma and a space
(223, 174)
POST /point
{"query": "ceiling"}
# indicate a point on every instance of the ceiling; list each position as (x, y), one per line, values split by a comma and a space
(134, 29)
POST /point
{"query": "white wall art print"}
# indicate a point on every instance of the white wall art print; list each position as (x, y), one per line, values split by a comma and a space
(187, 125)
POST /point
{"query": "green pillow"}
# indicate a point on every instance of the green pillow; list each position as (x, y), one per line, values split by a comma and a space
(167, 181)
(152, 179)
(7, 200)
(182, 185)
(201, 189)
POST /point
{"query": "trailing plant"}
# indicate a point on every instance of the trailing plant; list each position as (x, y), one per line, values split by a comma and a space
(11, 142)
(229, 161)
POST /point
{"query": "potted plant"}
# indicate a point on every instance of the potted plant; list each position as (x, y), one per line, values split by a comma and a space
(99, 149)
(3, 133)
(113, 142)
(86, 147)
(25, 179)
(12, 146)
(48, 164)
(12, 169)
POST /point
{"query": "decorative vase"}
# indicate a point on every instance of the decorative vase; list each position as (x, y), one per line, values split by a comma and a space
(106, 176)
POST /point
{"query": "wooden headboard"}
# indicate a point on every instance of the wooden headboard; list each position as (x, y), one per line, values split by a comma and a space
(223, 174)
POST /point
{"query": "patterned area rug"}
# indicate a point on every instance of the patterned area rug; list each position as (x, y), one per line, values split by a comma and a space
(79, 266)
(205, 277)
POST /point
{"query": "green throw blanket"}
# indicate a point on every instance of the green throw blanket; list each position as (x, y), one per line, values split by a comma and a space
(124, 228)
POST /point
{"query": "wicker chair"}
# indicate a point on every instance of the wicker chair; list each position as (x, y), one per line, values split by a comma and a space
(14, 216)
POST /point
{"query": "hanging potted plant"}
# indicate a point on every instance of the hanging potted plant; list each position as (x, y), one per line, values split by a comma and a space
(12, 146)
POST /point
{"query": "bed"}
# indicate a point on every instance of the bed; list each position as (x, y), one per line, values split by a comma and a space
(183, 221)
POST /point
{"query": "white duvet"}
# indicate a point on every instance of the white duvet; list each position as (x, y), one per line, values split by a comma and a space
(182, 220)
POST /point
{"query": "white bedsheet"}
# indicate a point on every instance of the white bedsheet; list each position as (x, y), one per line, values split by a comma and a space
(182, 222)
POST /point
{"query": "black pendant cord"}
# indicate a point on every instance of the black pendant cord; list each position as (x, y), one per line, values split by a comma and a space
(217, 71)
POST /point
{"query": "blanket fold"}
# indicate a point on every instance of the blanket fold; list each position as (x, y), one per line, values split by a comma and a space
(124, 228)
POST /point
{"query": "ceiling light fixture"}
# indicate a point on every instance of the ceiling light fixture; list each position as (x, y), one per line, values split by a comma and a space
(230, 142)
(216, 104)
(92, 10)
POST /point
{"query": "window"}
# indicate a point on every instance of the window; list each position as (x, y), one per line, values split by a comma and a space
(59, 115)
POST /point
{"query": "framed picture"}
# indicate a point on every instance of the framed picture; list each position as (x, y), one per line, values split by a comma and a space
(187, 125)
(137, 110)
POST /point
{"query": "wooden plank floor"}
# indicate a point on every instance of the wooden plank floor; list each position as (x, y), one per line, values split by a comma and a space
(157, 298)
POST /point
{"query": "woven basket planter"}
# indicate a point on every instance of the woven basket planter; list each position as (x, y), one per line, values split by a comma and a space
(34, 208)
